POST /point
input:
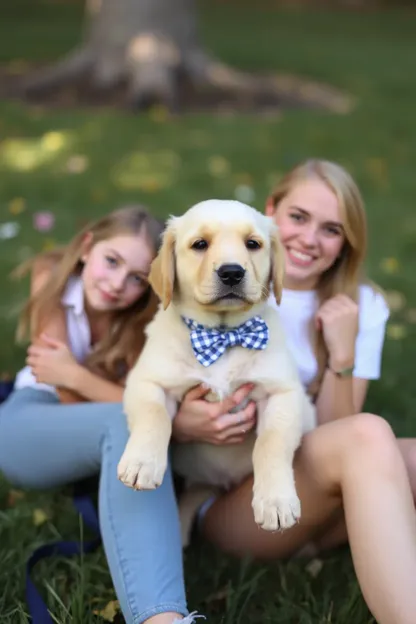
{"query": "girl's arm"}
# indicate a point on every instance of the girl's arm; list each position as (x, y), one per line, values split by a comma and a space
(52, 361)
(340, 396)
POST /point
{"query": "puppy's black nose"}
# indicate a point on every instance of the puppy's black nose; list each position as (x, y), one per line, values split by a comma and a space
(231, 274)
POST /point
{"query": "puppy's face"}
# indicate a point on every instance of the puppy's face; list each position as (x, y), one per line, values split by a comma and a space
(221, 255)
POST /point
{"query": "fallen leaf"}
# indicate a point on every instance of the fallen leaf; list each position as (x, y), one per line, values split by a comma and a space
(48, 244)
(378, 170)
(97, 195)
(14, 496)
(160, 114)
(243, 178)
(110, 611)
(396, 331)
(53, 141)
(76, 164)
(314, 567)
(396, 300)
(390, 265)
(411, 315)
(218, 166)
(39, 517)
(17, 205)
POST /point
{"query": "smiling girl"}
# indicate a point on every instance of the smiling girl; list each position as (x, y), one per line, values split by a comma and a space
(88, 307)
(349, 472)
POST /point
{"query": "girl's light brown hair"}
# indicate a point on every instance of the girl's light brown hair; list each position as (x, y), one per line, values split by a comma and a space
(116, 353)
(347, 273)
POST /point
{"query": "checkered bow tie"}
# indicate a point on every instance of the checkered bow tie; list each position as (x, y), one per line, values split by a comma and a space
(210, 343)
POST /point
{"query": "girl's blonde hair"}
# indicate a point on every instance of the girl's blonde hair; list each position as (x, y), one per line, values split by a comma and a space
(346, 274)
(116, 353)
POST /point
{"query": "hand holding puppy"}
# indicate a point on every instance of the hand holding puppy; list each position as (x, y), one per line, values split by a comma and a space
(203, 421)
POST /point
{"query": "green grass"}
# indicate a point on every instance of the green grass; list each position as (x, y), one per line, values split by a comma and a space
(168, 166)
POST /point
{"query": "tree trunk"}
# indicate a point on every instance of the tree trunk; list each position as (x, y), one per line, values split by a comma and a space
(150, 44)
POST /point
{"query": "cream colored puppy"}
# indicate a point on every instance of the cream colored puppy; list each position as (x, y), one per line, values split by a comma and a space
(214, 271)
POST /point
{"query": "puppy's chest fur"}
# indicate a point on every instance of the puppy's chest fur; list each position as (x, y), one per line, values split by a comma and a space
(180, 369)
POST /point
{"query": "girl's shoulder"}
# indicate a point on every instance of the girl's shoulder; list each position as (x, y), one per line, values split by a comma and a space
(373, 308)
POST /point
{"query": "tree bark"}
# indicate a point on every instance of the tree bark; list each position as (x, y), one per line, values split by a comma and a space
(149, 44)
(153, 47)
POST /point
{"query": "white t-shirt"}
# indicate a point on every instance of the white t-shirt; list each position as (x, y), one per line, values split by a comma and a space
(78, 330)
(296, 311)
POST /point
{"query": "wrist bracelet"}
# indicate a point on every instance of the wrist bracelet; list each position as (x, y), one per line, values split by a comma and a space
(343, 373)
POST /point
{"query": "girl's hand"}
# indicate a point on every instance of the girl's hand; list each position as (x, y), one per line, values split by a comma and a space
(52, 362)
(337, 318)
(202, 421)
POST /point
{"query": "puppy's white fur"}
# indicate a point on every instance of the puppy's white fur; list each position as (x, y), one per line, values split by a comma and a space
(186, 279)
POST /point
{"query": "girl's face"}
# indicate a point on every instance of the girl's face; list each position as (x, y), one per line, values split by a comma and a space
(115, 272)
(311, 232)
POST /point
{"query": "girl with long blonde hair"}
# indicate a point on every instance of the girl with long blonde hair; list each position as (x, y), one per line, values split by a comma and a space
(350, 471)
(89, 304)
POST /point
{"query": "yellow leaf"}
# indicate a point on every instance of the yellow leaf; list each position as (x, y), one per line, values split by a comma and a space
(48, 244)
(218, 166)
(110, 611)
(396, 300)
(378, 170)
(17, 205)
(97, 195)
(39, 517)
(396, 331)
(411, 315)
(390, 265)
(159, 114)
(53, 141)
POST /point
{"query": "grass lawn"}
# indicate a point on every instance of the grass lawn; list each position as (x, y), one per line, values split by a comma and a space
(80, 163)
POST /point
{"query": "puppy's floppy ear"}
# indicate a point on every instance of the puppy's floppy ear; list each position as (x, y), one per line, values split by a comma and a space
(277, 262)
(162, 270)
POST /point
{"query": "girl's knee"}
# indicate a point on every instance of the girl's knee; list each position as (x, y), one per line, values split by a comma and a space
(372, 440)
(370, 430)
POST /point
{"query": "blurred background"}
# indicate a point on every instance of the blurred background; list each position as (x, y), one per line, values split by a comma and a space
(168, 102)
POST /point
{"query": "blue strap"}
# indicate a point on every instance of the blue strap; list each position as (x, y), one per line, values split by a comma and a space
(85, 507)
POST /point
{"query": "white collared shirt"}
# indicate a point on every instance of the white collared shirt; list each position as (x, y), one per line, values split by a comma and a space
(78, 330)
(297, 310)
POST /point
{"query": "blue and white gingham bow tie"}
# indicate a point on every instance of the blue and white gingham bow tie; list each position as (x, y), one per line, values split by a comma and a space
(210, 343)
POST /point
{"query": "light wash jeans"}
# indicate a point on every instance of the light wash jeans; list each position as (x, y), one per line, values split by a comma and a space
(44, 443)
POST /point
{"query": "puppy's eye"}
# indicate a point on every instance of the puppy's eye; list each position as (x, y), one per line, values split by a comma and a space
(200, 245)
(252, 244)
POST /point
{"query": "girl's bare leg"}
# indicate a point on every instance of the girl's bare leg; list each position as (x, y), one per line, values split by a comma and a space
(337, 534)
(164, 618)
(354, 462)
(407, 448)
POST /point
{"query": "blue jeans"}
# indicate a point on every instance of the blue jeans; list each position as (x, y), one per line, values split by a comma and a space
(44, 443)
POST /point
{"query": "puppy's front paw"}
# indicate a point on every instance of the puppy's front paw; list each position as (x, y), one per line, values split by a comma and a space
(275, 508)
(139, 471)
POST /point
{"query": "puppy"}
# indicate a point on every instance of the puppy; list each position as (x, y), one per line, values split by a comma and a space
(213, 274)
